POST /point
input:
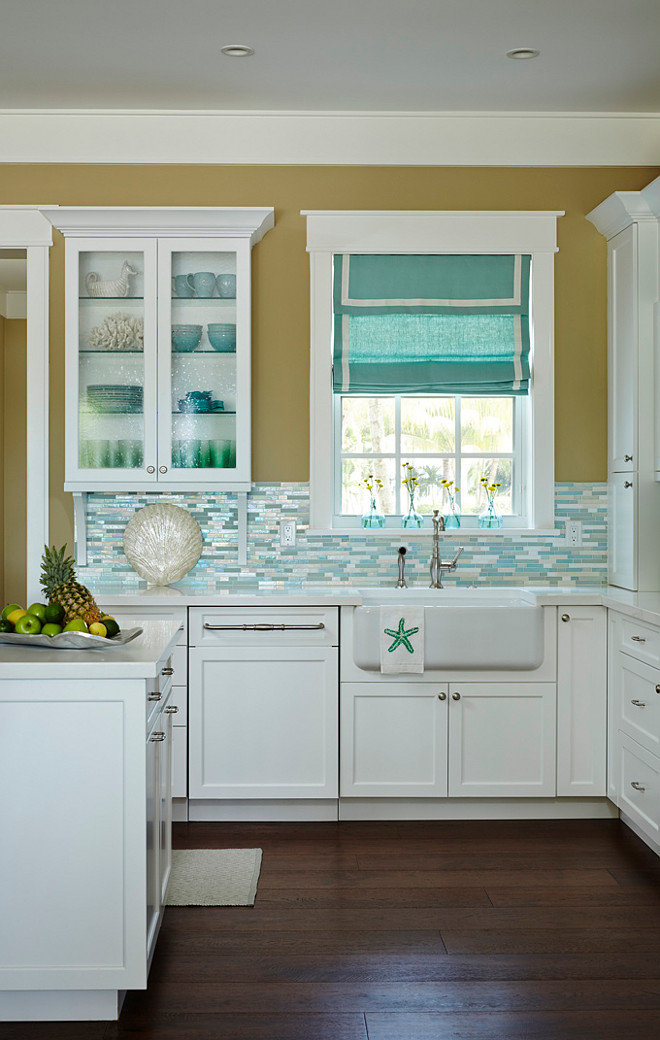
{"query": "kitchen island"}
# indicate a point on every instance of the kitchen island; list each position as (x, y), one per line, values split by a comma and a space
(85, 766)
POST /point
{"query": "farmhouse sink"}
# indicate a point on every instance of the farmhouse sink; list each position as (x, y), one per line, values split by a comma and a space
(475, 629)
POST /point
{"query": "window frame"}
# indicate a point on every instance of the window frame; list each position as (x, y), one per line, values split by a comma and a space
(416, 231)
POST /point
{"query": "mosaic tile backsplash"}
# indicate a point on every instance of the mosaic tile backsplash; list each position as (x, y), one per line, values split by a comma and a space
(502, 559)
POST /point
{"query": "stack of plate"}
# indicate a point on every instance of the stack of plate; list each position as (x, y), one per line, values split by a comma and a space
(115, 398)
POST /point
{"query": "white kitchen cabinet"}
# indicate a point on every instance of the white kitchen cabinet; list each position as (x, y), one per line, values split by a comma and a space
(158, 347)
(581, 701)
(479, 740)
(630, 222)
(262, 704)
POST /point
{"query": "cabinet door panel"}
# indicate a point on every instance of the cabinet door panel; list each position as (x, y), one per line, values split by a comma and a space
(393, 740)
(622, 540)
(502, 740)
(622, 381)
(263, 723)
(581, 701)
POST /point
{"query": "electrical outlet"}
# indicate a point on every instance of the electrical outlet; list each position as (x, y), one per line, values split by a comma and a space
(287, 533)
(574, 532)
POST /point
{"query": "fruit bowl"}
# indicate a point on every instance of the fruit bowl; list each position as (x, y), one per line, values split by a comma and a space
(72, 640)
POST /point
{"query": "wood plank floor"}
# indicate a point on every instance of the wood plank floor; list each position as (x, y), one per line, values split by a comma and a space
(409, 931)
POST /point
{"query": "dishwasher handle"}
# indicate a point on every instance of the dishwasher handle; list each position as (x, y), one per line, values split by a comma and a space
(263, 628)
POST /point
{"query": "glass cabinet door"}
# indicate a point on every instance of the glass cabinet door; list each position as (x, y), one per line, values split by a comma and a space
(202, 347)
(115, 376)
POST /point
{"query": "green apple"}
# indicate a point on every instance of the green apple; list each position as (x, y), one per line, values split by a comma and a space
(55, 613)
(38, 610)
(9, 609)
(6, 626)
(51, 629)
(28, 625)
(77, 625)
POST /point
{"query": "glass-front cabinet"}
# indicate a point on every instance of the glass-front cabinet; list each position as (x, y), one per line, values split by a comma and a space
(158, 348)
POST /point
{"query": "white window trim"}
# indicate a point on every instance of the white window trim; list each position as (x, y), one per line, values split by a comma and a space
(436, 231)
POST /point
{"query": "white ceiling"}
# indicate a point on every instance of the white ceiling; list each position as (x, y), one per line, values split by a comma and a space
(331, 55)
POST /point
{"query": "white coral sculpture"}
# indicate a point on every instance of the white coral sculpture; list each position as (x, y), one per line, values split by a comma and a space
(117, 287)
(117, 332)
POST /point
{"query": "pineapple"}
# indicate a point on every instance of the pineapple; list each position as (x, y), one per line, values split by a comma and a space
(58, 580)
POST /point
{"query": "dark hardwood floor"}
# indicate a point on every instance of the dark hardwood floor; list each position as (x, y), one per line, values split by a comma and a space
(409, 931)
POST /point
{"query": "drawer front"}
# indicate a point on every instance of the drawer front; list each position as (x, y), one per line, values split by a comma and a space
(640, 641)
(263, 626)
(639, 789)
(158, 689)
(639, 701)
(179, 698)
(129, 617)
(179, 761)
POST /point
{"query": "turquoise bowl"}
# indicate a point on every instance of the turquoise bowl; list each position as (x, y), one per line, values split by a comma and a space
(186, 337)
(222, 337)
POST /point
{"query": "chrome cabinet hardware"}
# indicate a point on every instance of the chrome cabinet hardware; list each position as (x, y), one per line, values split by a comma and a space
(158, 736)
(151, 469)
(627, 483)
(638, 787)
(171, 710)
(638, 639)
(442, 696)
(167, 671)
(263, 628)
(639, 704)
(566, 617)
(162, 469)
(154, 697)
(456, 696)
(657, 688)
(627, 458)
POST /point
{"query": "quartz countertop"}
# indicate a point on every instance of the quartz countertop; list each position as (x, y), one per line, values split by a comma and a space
(135, 660)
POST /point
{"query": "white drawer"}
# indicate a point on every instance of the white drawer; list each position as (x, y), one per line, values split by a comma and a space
(264, 626)
(639, 701)
(639, 788)
(180, 665)
(179, 761)
(640, 640)
(125, 615)
(158, 689)
(179, 698)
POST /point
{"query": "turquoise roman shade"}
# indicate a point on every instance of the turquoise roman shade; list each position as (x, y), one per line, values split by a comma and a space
(454, 324)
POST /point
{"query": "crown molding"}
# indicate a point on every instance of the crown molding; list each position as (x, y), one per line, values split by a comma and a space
(331, 138)
(622, 208)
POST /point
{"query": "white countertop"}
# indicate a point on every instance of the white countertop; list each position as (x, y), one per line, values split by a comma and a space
(135, 660)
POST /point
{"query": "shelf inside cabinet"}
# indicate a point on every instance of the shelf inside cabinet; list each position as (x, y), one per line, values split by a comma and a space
(109, 299)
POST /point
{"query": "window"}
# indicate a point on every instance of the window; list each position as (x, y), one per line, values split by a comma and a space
(373, 410)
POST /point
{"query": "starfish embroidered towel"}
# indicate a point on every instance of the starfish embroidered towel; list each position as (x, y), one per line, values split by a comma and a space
(401, 639)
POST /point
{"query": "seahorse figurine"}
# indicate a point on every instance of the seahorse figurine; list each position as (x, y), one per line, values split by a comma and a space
(118, 287)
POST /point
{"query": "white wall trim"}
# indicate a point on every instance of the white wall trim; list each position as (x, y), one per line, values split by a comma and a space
(13, 304)
(331, 138)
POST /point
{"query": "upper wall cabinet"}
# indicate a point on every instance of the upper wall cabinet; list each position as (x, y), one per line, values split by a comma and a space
(630, 220)
(158, 347)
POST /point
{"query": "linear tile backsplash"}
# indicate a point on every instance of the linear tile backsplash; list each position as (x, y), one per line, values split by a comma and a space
(511, 559)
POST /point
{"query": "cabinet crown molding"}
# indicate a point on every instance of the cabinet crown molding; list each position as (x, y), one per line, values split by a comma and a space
(165, 221)
(623, 208)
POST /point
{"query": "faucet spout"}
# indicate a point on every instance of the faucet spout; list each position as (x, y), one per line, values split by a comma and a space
(437, 566)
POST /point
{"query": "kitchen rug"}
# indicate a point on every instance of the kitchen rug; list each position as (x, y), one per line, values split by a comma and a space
(213, 877)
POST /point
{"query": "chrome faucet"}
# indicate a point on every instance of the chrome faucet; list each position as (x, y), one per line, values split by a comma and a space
(437, 565)
(402, 583)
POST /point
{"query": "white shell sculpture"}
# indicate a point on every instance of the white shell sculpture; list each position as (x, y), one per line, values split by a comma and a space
(162, 543)
(117, 287)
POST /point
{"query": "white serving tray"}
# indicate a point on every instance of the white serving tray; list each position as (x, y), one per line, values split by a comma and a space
(72, 640)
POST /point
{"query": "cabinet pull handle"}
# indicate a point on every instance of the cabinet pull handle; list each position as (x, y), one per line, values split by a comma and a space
(627, 483)
(442, 696)
(639, 704)
(638, 639)
(566, 617)
(627, 458)
(157, 736)
(456, 696)
(162, 469)
(154, 696)
(171, 710)
(167, 671)
(638, 787)
(657, 689)
(151, 469)
(263, 628)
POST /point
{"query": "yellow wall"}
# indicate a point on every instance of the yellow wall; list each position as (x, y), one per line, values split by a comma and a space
(281, 281)
(14, 467)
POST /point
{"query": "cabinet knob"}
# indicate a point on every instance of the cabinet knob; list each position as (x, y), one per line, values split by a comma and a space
(456, 696)
(167, 671)
(639, 704)
(172, 710)
(151, 469)
(162, 469)
(638, 787)
(657, 689)
(158, 736)
(627, 483)
(566, 617)
(627, 458)
(442, 696)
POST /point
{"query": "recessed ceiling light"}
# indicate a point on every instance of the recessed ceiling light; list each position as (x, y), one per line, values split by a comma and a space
(237, 50)
(521, 53)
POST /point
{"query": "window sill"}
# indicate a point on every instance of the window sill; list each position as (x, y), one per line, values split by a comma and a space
(402, 533)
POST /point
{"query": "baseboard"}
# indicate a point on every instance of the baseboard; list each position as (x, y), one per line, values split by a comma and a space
(272, 810)
(476, 809)
(636, 829)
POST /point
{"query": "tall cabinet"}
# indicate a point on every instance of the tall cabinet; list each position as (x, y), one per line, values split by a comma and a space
(158, 346)
(630, 220)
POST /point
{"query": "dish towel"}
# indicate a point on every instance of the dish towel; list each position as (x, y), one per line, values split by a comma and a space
(401, 639)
